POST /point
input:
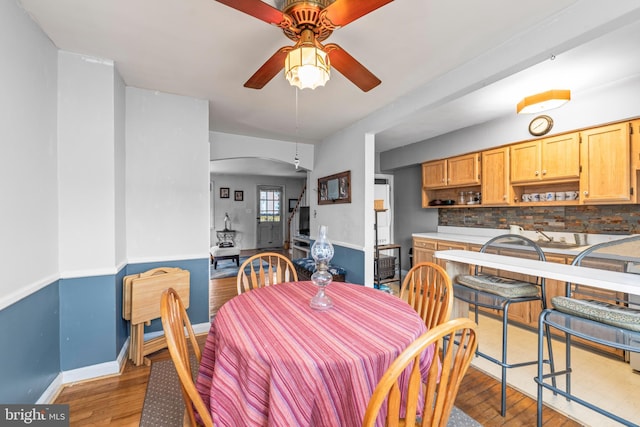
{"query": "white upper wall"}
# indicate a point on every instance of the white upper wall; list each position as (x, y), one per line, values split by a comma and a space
(615, 102)
(167, 170)
(230, 146)
(28, 171)
(86, 160)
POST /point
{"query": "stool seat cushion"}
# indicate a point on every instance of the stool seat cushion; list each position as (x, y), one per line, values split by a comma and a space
(502, 286)
(610, 314)
(310, 265)
(217, 251)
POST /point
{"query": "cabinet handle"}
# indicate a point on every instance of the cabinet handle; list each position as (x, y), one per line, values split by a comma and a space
(504, 197)
(537, 173)
(586, 193)
(544, 171)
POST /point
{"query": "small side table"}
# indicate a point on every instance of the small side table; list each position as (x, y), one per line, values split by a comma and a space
(225, 237)
(225, 248)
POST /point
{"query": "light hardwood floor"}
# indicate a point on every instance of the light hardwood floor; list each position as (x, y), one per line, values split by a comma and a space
(117, 400)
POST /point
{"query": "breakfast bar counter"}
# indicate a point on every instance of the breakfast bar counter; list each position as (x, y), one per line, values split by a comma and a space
(459, 261)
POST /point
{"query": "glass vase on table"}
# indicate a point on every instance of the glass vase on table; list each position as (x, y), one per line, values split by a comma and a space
(322, 253)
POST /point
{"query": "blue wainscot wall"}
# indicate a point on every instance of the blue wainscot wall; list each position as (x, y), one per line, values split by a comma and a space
(76, 324)
(352, 260)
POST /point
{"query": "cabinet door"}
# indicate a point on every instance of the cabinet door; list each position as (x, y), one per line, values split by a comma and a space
(423, 250)
(553, 288)
(606, 164)
(561, 157)
(463, 170)
(525, 312)
(434, 174)
(447, 246)
(635, 145)
(525, 162)
(495, 177)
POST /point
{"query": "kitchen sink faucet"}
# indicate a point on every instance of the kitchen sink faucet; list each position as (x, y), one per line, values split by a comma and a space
(547, 237)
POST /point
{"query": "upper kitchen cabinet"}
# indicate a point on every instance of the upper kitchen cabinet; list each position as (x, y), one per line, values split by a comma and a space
(434, 174)
(495, 178)
(457, 171)
(635, 146)
(606, 165)
(554, 159)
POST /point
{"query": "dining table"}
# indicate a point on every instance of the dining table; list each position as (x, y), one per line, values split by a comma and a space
(271, 360)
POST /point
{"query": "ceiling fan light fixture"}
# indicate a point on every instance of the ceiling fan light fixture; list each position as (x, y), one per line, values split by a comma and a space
(307, 66)
(543, 101)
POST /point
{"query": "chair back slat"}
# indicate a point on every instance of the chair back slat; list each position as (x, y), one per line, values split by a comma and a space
(177, 328)
(428, 289)
(438, 390)
(265, 269)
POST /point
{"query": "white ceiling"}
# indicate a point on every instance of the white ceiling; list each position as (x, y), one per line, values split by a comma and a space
(444, 65)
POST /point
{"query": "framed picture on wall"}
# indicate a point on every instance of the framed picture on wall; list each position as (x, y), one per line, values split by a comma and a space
(224, 192)
(335, 188)
(238, 196)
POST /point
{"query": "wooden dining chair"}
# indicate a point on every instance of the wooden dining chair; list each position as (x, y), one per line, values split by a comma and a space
(428, 289)
(264, 269)
(439, 390)
(175, 323)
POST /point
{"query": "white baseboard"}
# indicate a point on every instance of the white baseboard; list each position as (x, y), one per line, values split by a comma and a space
(52, 391)
(102, 369)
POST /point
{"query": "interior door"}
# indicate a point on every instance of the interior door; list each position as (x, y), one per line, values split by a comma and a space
(269, 232)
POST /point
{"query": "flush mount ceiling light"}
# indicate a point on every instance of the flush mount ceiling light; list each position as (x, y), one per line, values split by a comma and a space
(544, 101)
(307, 65)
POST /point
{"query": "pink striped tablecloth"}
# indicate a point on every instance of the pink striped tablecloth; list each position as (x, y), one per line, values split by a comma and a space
(271, 360)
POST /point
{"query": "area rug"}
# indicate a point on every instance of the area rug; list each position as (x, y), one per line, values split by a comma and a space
(164, 407)
(227, 268)
(163, 403)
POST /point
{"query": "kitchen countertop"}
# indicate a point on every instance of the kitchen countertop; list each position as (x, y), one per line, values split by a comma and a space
(608, 280)
(481, 235)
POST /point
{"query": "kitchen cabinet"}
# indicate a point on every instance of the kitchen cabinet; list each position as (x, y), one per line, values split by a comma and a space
(554, 159)
(495, 179)
(423, 250)
(452, 172)
(606, 165)
(635, 146)
(434, 174)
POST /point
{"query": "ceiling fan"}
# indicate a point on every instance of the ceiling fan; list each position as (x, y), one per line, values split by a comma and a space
(307, 23)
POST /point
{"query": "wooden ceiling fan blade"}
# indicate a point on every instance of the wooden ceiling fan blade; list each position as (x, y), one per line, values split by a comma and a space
(257, 9)
(342, 12)
(349, 67)
(269, 69)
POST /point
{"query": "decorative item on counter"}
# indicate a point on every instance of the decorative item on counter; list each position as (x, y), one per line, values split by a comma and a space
(526, 197)
(571, 195)
(560, 195)
(439, 202)
(322, 253)
(462, 198)
(580, 238)
(227, 222)
(515, 229)
(473, 197)
(535, 197)
(550, 196)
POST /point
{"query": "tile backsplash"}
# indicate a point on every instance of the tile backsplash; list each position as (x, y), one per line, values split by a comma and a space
(605, 219)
